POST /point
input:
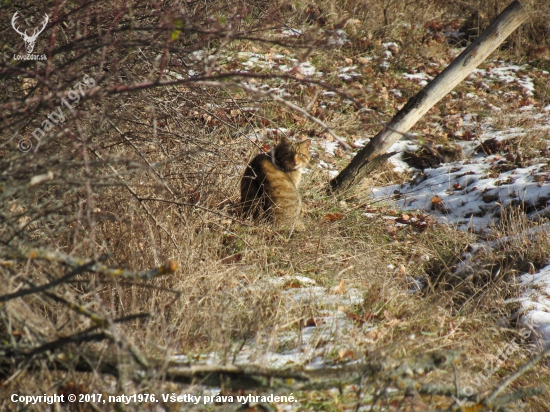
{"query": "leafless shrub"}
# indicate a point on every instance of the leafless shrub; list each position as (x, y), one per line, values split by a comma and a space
(119, 148)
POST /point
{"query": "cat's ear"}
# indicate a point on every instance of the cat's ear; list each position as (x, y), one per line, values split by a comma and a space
(285, 141)
(306, 143)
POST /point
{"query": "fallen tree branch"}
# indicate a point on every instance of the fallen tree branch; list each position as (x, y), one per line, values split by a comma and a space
(391, 373)
(55, 256)
(511, 18)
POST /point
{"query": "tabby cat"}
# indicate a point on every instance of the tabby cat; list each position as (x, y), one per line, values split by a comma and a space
(269, 187)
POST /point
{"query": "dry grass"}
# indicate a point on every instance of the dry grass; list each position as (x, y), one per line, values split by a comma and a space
(188, 145)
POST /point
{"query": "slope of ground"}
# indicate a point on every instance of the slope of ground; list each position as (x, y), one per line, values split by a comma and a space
(495, 128)
(442, 251)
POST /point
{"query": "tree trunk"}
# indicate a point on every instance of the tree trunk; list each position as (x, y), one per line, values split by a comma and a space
(511, 18)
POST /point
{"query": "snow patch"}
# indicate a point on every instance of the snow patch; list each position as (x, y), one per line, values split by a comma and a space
(291, 32)
(329, 147)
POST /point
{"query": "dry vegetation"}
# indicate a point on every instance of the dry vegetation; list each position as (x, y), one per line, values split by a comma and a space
(142, 175)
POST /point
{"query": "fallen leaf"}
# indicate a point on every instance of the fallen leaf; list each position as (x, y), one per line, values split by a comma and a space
(331, 217)
(339, 153)
(293, 284)
(194, 197)
(355, 317)
(404, 219)
(345, 354)
(294, 70)
(437, 204)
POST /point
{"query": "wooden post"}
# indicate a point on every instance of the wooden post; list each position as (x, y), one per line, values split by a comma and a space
(511, 18)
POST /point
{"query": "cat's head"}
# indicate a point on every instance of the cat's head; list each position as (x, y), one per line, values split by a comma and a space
(292, 155)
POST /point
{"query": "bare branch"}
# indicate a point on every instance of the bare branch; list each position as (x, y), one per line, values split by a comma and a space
(60, 257)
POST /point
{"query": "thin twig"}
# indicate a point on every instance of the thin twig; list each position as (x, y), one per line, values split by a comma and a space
(489, 399)
(133, 193)
(68, 276)
(255, 90)
(195, 206)
(55, 256)
(84, 336)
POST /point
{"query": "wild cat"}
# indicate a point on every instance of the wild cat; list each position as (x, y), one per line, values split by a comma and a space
(269, 187)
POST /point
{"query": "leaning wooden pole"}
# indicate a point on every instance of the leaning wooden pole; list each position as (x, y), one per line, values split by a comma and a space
(375, 152)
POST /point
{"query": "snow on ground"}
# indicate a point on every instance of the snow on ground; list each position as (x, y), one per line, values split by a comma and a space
(329, 147)
(498, 72)
(468, 193)
(471, 193)
(337, 38)
(507, 74)
(422, 78)
(329, 332)
(348, 73)
(291, 32)
(400, 147)
(465, 193)
(250, 60)
(535, 302)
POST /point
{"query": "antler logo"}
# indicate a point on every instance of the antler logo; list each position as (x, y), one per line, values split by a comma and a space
(29, 40)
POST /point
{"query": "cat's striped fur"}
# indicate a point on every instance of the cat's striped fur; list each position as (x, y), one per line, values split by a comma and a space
(269, 187)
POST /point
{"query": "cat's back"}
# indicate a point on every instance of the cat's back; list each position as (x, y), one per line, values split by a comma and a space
(270, 183)
(253, 186)
(260, 165)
